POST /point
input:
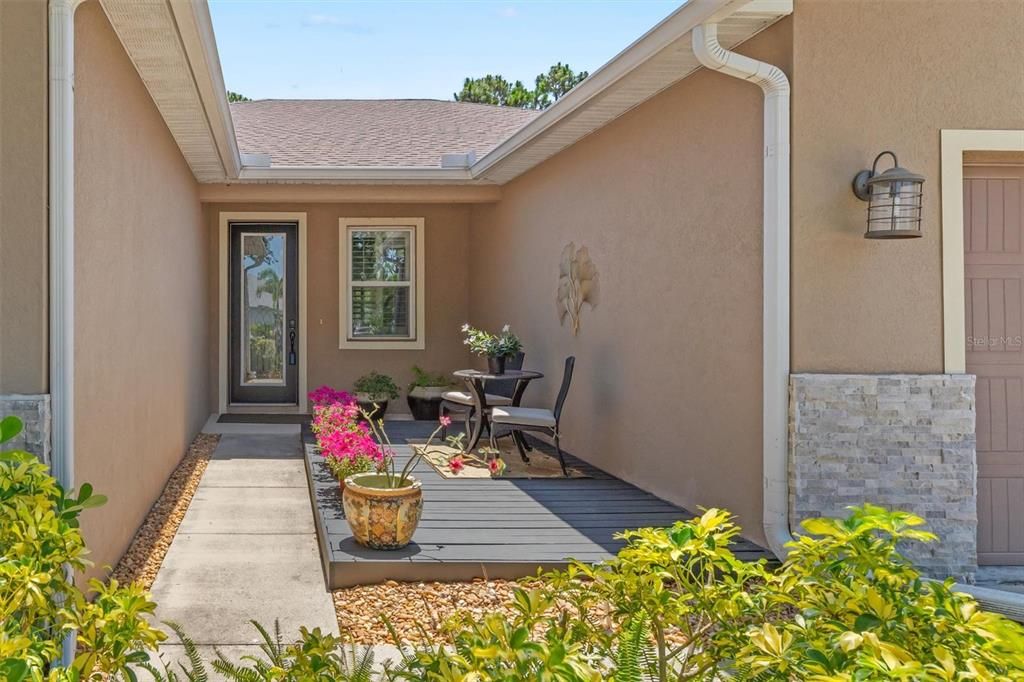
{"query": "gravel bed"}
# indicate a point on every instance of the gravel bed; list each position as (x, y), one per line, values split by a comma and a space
(416, 610)
(410, 605)
(150, 544)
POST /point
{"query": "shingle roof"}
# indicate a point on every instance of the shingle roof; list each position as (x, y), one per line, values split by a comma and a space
(390, 132)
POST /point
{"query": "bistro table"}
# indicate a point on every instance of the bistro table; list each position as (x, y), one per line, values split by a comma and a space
(476, 381)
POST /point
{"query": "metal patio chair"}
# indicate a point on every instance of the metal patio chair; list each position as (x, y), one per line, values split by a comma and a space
(538, 418)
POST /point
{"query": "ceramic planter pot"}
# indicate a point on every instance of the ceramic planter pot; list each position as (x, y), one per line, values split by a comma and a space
(380, 517)
(366, 401)
(425, 402)
(496, 365)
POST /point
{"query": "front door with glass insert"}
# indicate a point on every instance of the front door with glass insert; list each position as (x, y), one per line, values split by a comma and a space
(264, 302)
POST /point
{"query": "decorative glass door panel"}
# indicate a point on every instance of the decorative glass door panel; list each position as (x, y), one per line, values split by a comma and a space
(264, 311)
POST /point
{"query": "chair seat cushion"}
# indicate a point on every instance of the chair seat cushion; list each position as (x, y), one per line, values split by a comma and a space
(466, 398)
(527, 416)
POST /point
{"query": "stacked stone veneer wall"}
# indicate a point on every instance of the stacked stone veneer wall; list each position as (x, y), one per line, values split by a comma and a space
(34, 412)
(901, 441)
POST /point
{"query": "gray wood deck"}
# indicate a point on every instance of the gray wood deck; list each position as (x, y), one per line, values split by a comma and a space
(496, 528)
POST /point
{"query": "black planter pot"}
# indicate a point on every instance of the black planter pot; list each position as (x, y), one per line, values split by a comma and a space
(496, 365)
(424, 408)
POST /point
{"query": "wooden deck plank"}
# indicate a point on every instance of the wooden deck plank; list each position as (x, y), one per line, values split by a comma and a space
(500, 528)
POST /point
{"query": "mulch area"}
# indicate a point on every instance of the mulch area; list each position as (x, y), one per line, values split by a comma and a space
(149, 546)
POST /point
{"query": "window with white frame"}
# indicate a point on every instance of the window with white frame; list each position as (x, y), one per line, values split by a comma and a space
(381, 263)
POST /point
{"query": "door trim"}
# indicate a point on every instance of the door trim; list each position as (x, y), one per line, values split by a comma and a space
(222, 304)
(953, 145)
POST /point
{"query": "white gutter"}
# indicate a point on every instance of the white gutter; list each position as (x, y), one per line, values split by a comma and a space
(775, 85)
(406, 174)
(196, 30)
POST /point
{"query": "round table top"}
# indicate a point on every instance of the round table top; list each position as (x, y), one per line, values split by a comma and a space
(509, 375)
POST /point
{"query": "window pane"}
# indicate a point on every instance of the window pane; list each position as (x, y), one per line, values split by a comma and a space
(380, 311)
(263, 301)
(380, 255)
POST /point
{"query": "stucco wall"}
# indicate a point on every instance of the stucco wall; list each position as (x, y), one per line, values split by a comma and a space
(141, 371)
(447, 292)
(667, 390)
(23, 183)
(874, 75)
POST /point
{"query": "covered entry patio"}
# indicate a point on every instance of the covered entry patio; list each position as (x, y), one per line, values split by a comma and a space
(499, 528)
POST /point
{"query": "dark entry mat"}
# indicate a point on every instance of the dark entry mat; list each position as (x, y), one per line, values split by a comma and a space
(263, 419)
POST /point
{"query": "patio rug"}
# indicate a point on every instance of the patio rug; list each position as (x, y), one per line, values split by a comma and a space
(541, 464)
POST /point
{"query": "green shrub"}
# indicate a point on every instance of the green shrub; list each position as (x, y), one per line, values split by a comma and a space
(39, 604)
(376, 385)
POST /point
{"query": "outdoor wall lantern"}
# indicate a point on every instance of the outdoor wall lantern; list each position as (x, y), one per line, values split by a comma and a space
(894, 200)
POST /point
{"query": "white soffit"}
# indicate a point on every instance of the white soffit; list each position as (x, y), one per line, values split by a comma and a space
(150, 35)
(660, 58)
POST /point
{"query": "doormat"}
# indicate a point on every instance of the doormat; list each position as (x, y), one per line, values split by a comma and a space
(541, 464)
(263, 419)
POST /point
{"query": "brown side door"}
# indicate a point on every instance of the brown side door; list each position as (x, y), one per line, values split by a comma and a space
(994, 270)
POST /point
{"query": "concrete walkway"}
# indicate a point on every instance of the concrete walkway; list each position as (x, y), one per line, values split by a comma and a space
(246, 549)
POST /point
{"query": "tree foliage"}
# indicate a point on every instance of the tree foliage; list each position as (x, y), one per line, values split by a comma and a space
(548, 87)
(237, 97)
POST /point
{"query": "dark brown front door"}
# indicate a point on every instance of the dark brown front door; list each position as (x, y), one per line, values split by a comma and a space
(263, 321)
(994, 274)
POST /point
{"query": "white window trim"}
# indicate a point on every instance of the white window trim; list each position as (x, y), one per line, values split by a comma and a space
(418, 342)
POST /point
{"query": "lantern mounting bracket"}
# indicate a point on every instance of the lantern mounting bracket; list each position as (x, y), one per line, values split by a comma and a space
(860, 181)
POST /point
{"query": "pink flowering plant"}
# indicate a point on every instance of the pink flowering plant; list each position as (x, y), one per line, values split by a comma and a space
(488, 457)
(346, 442)
(325, 395)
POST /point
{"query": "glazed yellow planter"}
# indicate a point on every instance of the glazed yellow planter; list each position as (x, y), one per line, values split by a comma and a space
(380, 517)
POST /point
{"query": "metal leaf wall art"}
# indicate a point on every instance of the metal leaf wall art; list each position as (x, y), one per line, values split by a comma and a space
(577, 284)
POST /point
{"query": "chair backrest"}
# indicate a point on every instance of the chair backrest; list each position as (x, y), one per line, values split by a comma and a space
(504, 388)
(570, 363)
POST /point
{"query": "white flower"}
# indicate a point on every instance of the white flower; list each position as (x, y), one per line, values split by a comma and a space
(465, 327)
(506, 329)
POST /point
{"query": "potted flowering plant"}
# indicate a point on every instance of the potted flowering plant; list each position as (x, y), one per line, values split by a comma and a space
(425, 394)
(383, 508)
(346, 442)
(373, 391)
(497, 348)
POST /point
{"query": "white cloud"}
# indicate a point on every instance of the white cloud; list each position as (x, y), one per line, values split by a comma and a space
(334, 21)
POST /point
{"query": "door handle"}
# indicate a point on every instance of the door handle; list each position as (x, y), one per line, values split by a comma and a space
(291, 342)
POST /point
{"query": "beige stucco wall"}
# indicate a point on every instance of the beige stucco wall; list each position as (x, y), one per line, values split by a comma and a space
(141, 369)
(447, 292)
(667, 391)
(23, 183)
(874, 75)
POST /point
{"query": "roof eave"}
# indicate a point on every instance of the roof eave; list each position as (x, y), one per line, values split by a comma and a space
(662, 37)
(356, 174)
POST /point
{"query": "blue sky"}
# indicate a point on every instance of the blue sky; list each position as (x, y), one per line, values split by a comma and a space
(386, 49)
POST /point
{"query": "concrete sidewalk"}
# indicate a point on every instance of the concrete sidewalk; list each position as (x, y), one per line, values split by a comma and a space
(246, 550)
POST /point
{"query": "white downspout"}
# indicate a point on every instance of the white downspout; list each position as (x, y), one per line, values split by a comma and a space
(61, 24)
(62, 235)
(775, 85)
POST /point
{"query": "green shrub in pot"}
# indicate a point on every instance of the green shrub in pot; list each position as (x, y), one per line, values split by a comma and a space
(373, 391)
(425, 392)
